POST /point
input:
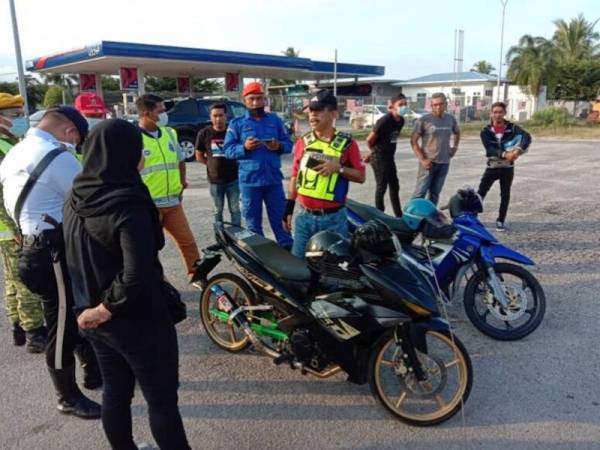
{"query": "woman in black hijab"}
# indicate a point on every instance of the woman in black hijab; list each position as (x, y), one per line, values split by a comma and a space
(112, 238)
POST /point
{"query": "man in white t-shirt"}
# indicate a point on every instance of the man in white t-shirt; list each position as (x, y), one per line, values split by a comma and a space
(61, 128)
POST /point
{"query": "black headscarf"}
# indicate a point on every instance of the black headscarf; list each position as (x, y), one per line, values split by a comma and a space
(110, 176)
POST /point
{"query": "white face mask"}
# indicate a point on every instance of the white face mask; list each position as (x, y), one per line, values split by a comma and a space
(163, 119)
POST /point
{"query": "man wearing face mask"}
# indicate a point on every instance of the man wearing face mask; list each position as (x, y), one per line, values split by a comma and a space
(164, 174)
(257, 140)
(37, 210)
(23, 306)
(382, 143)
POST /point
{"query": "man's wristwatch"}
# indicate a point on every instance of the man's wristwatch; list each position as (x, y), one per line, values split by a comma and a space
(341, 171)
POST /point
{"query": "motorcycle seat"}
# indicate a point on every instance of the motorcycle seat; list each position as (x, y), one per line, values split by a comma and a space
(366, 212)
(278, 261)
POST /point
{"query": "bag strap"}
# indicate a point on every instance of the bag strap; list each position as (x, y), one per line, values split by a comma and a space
(33, 177)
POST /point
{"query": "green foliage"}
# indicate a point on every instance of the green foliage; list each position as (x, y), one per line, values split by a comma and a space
(553, 116)
(483, 67)
(569, 63)
(54, 96)
(290, 52)
(110, 83)
(579, 80)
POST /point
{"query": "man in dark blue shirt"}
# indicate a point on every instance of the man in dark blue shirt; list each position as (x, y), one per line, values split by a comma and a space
(256, 141)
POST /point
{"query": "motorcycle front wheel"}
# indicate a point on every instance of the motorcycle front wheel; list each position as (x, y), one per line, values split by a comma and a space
(443, 392)
(525, 309)
(226, 335)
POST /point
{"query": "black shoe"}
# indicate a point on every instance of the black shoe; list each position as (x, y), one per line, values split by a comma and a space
(70, 399)
(36, 340)
(92, 378)
(18, 335)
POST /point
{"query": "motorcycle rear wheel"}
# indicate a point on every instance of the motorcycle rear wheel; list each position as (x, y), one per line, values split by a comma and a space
(226, 335)
(447, 366)
(525, 312)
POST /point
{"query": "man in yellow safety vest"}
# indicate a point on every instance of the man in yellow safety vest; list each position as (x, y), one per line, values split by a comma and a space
(165, 176)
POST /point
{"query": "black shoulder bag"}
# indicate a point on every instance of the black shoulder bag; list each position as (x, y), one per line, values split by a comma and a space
(33, 177)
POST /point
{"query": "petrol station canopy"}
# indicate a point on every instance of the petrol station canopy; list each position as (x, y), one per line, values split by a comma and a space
(107, 57)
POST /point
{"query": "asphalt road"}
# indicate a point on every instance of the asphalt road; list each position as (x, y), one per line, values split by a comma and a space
(541, 392)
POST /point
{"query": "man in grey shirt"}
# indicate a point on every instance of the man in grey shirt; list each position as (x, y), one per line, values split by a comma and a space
(434, 152)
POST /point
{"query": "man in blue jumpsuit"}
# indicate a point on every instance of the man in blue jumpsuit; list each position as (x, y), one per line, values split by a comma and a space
(256, 141)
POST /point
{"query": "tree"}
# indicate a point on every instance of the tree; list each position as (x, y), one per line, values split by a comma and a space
(207, 86)
(532, 64)
(483, 67)
(109, 83)
(576, 40)
(290, 52)
(578, 80)
(53, 97)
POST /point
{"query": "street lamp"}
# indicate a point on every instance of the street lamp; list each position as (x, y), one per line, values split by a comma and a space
(504, 2)
(21, 74)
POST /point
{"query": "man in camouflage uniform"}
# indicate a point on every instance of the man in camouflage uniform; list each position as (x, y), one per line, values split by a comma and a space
(23, 307)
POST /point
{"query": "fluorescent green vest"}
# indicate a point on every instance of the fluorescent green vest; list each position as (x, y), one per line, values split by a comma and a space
(161, 166)
(309, 182)
(7, 226)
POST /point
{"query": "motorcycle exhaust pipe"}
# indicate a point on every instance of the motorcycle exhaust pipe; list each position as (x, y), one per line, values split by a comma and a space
(239, 317)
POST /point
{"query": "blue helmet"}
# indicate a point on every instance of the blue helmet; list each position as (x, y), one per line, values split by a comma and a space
(416, 210)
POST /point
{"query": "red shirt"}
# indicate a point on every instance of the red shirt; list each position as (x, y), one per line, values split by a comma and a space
(350, 158)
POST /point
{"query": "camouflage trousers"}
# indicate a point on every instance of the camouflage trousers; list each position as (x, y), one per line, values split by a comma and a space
(23, 306)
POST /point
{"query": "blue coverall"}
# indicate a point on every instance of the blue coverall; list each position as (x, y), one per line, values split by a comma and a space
(259, 171)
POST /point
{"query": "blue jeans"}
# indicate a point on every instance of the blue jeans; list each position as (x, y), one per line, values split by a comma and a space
(218, 192)
(274, 200)
(307, 225)
(431, 181)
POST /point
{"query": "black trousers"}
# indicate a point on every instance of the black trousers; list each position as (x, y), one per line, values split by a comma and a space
(505, 175)
(38, 274)
(384, 169)
(142, 346)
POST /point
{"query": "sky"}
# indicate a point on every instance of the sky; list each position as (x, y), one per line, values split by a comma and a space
(410, 39)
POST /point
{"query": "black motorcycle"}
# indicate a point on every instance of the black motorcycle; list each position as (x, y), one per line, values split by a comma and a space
(350, 306)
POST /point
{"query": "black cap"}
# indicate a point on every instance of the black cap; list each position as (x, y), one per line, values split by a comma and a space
(74, 116)
(322, 99)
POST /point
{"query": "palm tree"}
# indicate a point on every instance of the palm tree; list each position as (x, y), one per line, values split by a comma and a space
(483, 67)
(67, 82)
(576, 40)
(532, 63)
(292, 53)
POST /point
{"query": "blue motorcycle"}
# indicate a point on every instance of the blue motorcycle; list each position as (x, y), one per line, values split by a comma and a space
(502, 299)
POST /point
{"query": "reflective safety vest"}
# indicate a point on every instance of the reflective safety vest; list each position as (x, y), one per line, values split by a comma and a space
(7, 226)
(309, 182)
(161, 167)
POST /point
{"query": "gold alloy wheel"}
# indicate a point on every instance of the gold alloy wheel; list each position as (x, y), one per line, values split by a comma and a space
(226, 335)
(430, 401)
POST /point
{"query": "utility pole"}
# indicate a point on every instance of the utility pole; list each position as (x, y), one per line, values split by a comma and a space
(504, 2)
(335, 74)
(20, 72)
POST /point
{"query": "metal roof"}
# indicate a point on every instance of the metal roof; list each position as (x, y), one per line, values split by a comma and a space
(107, 57)
(451, 77)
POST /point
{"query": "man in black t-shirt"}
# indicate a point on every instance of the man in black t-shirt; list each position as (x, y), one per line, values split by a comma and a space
(222, 172)
(382, 143)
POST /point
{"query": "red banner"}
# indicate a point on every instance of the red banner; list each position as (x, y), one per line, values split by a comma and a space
(232, 82)
(129, 78)
(183, 85)
(87, 82)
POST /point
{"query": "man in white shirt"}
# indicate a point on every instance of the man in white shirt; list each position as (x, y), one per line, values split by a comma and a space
(61, 128)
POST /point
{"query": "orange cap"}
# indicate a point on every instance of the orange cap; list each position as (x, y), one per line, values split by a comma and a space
(253, 88)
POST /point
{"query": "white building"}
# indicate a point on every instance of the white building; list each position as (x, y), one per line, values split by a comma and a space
(473, 92)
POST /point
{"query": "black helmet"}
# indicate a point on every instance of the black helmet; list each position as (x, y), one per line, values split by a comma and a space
(467, 200)
(375, 237)
(327, 247)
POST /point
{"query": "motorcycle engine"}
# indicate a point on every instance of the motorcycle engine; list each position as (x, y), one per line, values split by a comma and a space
(306, 350)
